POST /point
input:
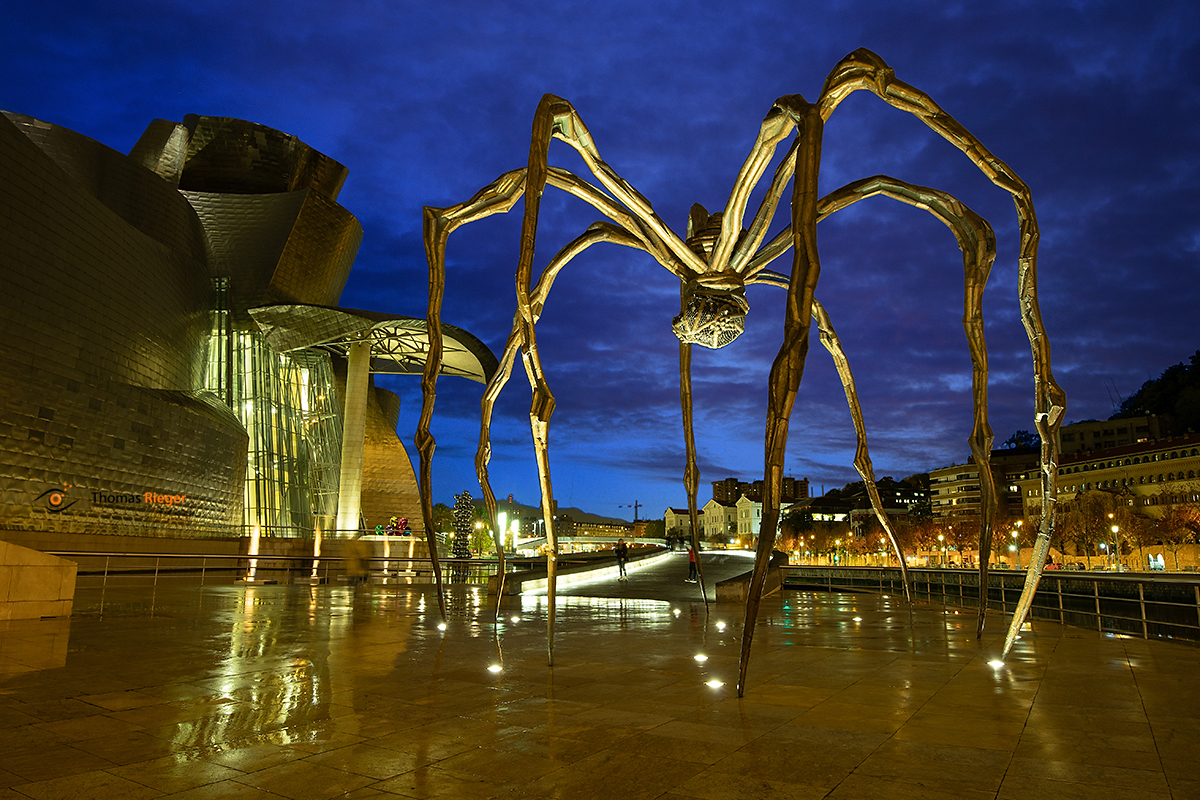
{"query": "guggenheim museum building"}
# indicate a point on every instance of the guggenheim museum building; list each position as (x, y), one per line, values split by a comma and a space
(175, 363)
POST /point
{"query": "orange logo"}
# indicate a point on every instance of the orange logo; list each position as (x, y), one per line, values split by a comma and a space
(55, 500)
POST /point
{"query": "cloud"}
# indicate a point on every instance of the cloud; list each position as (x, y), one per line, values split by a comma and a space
(1094, 105)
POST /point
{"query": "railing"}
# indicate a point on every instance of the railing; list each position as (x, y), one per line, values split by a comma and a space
(1147, 605)
(101, 569)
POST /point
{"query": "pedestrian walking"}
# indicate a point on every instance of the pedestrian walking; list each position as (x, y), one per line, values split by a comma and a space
(622, 553)
(691, 578)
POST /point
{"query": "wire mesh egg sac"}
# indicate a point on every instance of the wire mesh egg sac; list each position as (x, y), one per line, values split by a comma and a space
(710, 321)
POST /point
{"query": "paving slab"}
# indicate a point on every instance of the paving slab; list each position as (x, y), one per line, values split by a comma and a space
(325, 691)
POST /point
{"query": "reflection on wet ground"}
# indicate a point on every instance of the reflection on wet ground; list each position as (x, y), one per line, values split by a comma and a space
(319, 692)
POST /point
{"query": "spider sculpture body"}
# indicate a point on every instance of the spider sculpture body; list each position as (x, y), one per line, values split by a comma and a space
(715, 261)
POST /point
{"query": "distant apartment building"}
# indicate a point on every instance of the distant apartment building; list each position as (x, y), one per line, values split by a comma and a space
(620, 529)
(1107, 434)
(899, 501)
(955, 491)
(730, 489)
(1114, 454)
(1150, 475)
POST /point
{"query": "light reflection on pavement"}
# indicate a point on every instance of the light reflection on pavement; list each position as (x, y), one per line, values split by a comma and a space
(314, 692)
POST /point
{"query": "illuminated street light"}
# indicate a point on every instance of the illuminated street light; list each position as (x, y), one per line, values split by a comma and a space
(1116, 546)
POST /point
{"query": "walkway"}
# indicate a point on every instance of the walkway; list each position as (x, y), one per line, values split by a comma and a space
(312, 693)
(663, 578)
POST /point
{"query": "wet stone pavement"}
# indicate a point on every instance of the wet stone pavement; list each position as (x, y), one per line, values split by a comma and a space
(319, 692)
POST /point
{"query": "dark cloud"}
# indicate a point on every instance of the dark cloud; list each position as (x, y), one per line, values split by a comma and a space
(1093, 104)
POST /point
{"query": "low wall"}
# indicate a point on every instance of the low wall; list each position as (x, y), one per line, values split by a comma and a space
(33, 584)
(735, 589)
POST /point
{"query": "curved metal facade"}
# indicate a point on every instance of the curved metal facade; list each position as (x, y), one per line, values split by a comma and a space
(104, 315)
(138, 396)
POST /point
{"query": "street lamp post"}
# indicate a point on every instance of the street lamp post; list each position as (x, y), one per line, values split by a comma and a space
(1016, 547)
(1116, 546)
(942, 544)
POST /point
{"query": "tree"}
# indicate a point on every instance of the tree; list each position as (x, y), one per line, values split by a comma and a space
(1142, 532)
(1174, 395)
(656, 529)
(788, 540)
(1179, 525)
(920, 535)
(1023, 439)
(443, 518)
(482, 541)
(795, 521)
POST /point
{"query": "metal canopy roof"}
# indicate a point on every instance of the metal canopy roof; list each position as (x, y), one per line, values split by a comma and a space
(399, 345)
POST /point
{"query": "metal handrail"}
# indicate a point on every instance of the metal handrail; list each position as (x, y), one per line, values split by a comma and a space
(228, 566)
(1148, 605)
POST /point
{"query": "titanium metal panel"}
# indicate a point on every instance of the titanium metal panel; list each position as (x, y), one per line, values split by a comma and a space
(104, 318)
(240, 157)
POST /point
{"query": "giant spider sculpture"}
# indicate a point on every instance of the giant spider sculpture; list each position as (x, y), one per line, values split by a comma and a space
(716, 260)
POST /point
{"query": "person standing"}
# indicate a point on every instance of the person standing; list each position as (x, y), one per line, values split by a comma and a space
(622, 552)
(691, 578)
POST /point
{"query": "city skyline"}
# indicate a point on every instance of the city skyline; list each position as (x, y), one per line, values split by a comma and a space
(1093, 106)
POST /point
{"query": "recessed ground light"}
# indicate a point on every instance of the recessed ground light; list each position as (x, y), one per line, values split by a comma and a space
(720, 626)
(700, 657)
(858, 619)
(715, 684)
(514, 619)
(441, 626)
(996, 664)
(495, 668)
(676, 612)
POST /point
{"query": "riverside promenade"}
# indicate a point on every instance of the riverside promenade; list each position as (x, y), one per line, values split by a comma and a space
(330, 691)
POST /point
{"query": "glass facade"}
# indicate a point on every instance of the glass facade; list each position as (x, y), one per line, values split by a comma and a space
(288, 404)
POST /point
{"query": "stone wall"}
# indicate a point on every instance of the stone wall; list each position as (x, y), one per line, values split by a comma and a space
(33, 584)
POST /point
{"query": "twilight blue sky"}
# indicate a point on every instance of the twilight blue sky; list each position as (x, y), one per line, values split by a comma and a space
(1096, 105)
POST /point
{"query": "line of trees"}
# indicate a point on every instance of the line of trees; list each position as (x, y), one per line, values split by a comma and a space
(1085, 521)
(1083, 531)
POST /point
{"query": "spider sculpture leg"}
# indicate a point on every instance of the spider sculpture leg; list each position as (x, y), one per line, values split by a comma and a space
(788, 367)
(597, 233)
(552, 113)
(498, 198)
(978, 245)
(555, 118)
(862, 456)
(495, 198)
(691, 473)
(863, 69)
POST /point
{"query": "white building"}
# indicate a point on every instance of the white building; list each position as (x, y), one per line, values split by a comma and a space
(720, 520)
